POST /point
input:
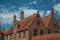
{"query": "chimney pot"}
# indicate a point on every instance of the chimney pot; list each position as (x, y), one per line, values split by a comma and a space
(14, 18)
(51, 12)
(37, 12)
(22, 14)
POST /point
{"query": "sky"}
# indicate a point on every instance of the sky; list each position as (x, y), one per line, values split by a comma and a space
(10, 7)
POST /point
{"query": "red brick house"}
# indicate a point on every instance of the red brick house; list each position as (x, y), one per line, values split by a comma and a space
(34, 25)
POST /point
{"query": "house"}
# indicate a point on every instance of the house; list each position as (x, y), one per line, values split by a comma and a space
(34, 25)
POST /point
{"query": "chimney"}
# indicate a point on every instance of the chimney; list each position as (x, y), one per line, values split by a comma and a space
(37, 12)
(52, 11)
(14, 18)
(22, 14)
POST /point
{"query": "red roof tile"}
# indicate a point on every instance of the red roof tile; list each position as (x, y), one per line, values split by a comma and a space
(46, 20)
(4, 32)
(11, 29)
(26, 23)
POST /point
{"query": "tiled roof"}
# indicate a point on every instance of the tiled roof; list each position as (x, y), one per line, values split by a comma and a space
(11, 29)
(46, 20)
(4, 32)
(23, 23)
(26, 22)
(47, 37)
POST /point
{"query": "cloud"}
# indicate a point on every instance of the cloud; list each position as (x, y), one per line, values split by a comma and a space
(47, 13)
(13, 7)
(3, 10)
(34, 2)
(2, 5)
(7, 17)
(29, 12)
(57, 8)
(23, 8)
(54, 1)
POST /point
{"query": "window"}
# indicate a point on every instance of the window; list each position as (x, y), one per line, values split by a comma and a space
(15, 36)
(10, 36)
(54, 25)
(24, 34)
(2, 37)
(49, 31)
(35, 32)
(19, 35)
(41, 32)
(55, 31)
(7, 37)
(38, 21)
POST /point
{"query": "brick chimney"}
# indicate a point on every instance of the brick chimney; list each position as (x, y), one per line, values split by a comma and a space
(14, 18)
(37, 12)
(22, 14)
(52, 12)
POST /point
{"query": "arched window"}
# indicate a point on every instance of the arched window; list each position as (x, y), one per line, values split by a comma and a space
(41, 32)
(49, 31)
(35, 32)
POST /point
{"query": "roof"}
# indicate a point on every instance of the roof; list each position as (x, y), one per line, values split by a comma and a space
(26, 22)
(22, 24)
(46, 20)
(11, 29)
(46, 37)
(4, 32)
